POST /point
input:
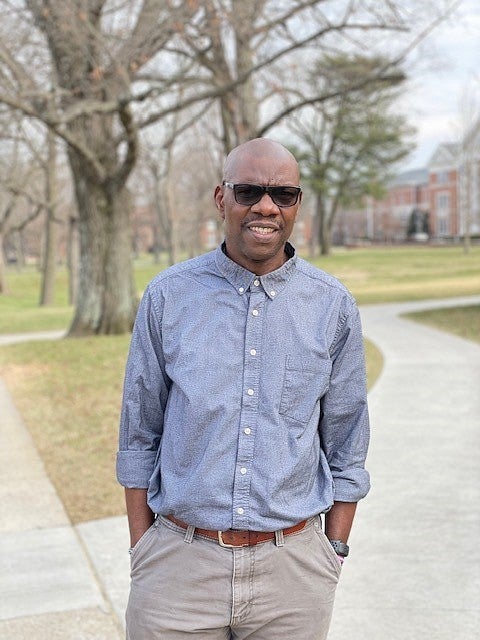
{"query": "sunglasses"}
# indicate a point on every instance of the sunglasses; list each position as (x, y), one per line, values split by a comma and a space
(249, 194)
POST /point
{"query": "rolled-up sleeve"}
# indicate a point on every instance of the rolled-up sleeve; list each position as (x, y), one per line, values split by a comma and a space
(344, 425)
(145, 396)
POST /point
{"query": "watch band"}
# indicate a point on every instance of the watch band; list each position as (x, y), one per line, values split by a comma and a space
(341, 549)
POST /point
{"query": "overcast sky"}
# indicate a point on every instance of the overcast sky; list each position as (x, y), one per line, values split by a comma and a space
(444, 82)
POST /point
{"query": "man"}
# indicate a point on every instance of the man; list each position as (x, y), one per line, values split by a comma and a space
(244, 418)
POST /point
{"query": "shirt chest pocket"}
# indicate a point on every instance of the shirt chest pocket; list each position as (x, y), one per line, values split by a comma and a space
(304, 384)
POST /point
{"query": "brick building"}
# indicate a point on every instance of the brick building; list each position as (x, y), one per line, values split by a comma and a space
(443, 173)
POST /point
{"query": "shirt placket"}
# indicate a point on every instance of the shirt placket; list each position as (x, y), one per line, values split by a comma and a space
(249, 411)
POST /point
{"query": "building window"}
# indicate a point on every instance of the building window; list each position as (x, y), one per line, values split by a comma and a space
(443, 202)
(442, 226)
(442, 177)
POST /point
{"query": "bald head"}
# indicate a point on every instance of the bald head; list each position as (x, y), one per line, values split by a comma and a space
(242, 161)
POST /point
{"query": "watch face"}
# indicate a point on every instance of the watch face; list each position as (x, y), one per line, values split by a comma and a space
(340, 548)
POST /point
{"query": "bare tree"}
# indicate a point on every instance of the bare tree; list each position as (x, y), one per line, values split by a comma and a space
(96, 50)
(100, 60)
(20, 197)
(258, 52)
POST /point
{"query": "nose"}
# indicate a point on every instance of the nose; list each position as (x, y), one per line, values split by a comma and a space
(265, 206)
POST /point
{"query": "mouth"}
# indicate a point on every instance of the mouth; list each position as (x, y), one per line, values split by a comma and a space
(262, 231)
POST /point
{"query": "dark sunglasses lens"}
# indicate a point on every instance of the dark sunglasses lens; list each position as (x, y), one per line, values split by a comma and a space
(247, 194)
(284, 196)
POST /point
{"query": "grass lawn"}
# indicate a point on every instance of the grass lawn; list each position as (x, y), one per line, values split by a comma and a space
(372, 274)
(462, 321)
(68, 392)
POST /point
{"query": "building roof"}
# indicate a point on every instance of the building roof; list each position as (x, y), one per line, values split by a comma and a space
(445, 156)
(413, 177)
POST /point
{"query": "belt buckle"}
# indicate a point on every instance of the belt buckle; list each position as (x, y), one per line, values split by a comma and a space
(226, 545)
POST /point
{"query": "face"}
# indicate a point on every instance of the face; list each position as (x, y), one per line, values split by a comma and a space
(255, 235)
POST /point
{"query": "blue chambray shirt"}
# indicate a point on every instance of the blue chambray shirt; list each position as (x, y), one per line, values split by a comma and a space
(245, 400)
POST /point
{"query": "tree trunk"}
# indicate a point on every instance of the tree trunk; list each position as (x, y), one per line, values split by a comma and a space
(107, 301)
(324, 231)
(172, 221)
(3, 279)
(314, 237)
(19, 249)
(73, 260)
(47, 296)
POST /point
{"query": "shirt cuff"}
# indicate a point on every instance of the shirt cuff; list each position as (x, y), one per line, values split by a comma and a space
(135, 468)
(351, 486)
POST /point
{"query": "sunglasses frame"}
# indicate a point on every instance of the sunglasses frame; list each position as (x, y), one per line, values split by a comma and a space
(264, 189)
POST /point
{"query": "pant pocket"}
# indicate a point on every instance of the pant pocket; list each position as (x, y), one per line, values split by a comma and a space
(139, 549)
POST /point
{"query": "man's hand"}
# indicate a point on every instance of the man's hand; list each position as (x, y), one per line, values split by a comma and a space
(140, 516)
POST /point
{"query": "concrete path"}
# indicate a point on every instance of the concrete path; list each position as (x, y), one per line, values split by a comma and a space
(414, 571)
(50, 589)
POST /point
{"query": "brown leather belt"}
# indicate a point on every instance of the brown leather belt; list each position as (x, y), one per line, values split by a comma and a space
(235, 538)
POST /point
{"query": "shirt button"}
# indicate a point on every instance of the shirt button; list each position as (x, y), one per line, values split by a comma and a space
(243, 471)
(250, 392)
(253, 352)
(247, 431)
(256, 282)
(241, 290)
(273, 293)
(240, 510)
(255, 312)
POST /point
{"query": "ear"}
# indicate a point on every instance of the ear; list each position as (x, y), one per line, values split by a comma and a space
(219, 200)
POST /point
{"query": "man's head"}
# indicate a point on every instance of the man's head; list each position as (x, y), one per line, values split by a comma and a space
(255, 234)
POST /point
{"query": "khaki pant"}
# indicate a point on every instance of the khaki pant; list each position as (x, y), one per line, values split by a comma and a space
(271, 591)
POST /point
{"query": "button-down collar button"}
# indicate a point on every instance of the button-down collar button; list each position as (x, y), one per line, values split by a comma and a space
(241, 290)
(240, 510)
(255, 312)
(247, 431)
(250, 392)
(243, 471)
(256, 282)
(253, 352)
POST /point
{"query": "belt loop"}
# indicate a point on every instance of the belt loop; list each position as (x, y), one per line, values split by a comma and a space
(279, 539)
(189, 534)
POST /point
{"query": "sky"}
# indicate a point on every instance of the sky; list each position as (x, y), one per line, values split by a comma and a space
(444, 83)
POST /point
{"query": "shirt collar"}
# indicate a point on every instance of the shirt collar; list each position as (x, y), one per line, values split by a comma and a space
(241, 279)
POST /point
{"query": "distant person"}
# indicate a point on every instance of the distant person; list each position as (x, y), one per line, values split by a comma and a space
(244, 425)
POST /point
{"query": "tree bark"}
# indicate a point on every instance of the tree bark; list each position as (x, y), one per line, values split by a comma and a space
(47, 295)
(73, 260)
(324, 231)
(3, 278)
(107, 301)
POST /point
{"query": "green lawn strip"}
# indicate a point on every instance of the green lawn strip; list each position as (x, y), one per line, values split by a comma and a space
(19, 309)
(373, 274)
(68, 393)
(462, 321)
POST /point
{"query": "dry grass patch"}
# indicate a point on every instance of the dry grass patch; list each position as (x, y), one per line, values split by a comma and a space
(374, 360)
(68, 393)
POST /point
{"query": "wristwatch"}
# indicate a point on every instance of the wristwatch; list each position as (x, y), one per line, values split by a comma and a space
(340, 548)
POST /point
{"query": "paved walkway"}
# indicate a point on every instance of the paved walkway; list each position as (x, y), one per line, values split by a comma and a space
(414, 569)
